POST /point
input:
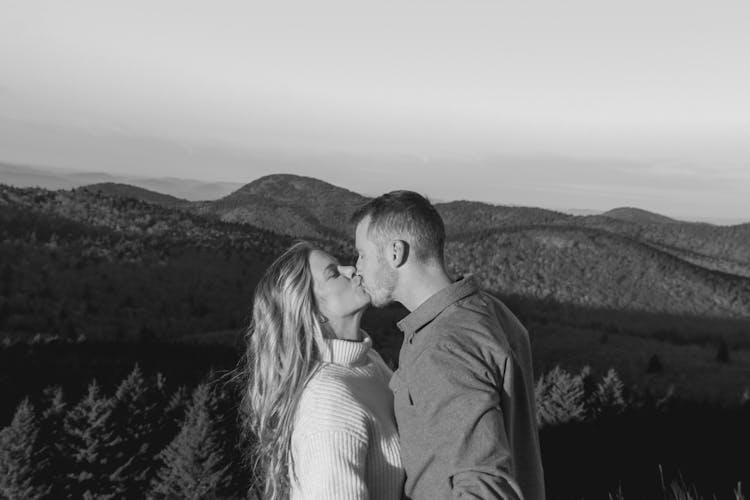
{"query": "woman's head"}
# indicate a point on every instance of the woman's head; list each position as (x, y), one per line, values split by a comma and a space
(298, 292)
(337, 290)
(307, 286)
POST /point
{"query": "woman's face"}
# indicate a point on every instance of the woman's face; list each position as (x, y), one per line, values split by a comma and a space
(338, 292)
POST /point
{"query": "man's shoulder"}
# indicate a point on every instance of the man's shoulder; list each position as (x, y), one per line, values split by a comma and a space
(476, 311)
(480, 319)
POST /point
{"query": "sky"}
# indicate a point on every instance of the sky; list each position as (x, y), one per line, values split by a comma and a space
(579, 104)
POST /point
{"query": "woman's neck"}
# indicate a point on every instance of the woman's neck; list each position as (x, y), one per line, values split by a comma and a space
(347, 327)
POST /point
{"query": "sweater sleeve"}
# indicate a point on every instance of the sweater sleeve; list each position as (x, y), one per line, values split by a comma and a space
(331, 465)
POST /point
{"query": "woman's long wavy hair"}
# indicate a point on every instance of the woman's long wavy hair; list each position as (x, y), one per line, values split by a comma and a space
(284, 340)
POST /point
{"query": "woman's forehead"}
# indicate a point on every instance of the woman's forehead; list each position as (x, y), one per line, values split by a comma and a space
(319, 260)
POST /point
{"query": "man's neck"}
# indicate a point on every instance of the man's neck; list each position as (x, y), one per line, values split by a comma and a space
(420, 284)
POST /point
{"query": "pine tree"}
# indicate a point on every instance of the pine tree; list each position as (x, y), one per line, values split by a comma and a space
(51, 432)
(610, 395)
(193, 464)
(177, 406)
(22, 457)
(92, 444)
(136, 415)
(228, 421)
(560, 398)
(172, 416)
(589, 392)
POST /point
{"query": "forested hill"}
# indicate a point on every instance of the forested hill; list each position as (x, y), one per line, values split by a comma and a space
(101, 262)
(288, 204)
(119, 190)
(638, 216)
(306, 207)
(82, 263)
(596, 268)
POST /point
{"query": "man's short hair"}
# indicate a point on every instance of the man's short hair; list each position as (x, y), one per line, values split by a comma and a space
(405, 213)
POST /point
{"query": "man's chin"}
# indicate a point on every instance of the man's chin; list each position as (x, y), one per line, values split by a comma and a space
(380, 302)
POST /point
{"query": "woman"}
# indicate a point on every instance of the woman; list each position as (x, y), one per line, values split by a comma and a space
(317, 399)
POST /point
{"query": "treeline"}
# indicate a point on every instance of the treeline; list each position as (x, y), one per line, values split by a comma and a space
(149, 441)
(144, 441)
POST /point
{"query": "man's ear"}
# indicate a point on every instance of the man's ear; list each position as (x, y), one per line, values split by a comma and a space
(397, 253)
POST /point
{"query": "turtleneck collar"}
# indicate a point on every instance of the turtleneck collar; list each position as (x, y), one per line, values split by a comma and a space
(346, 352)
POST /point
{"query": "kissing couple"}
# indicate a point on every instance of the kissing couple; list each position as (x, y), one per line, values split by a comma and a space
(330, 420)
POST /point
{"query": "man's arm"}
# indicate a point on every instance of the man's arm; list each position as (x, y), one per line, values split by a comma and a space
(457, 395)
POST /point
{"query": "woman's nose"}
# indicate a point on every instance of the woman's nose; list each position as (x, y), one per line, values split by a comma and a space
(348, 271)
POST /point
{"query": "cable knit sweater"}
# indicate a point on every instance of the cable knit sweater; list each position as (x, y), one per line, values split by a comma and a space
(345, 443)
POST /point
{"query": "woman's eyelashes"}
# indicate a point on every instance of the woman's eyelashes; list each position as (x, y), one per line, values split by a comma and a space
(333, 272)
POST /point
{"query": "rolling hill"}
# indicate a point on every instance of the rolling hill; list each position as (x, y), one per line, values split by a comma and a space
(120, 190)
(469, 217)
(306, 207)
(113, 262)
(591, 261)
(720, 248)
(638, 216)
(288, 204)
(595, 268)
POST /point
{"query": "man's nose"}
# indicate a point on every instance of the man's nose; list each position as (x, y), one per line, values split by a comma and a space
(348, 271)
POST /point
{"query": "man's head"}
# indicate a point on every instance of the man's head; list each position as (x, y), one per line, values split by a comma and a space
(394, 230)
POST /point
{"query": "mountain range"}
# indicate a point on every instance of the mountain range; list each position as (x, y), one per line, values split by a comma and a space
(624, 259)
(56, 178)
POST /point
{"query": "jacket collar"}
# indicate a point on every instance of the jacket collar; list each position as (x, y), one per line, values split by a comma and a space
(436, 304)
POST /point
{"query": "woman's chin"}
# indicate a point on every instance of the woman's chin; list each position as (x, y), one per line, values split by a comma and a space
(366, 304)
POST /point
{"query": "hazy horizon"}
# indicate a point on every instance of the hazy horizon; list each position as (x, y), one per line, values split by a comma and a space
(584, 104)
(172, 186)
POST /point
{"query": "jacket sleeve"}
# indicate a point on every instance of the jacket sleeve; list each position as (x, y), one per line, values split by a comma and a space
(331, 466)
(457, 395)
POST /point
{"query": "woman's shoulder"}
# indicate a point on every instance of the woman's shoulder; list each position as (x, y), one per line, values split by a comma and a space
(329, 403)
(328, 380)
(380, 365)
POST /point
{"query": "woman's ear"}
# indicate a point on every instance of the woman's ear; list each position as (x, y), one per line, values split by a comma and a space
(398, 253)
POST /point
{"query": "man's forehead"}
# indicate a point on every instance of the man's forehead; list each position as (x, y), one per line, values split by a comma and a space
(362, 230)
(367, 235)
(364, 223)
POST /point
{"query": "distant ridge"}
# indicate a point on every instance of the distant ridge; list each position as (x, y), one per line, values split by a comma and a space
(638, 215)
(129, 191)
(466, 217)
(290, 188)
(55, 178)
(719, 248)
(305, 206)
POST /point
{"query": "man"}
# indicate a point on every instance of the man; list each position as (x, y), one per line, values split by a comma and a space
(463, 393)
